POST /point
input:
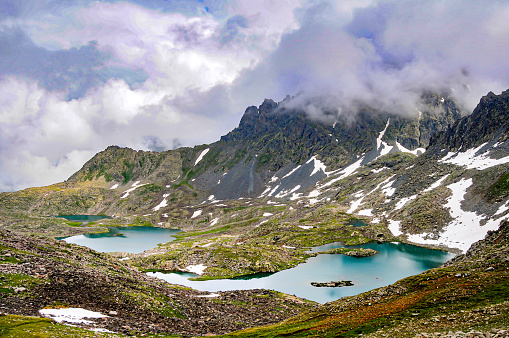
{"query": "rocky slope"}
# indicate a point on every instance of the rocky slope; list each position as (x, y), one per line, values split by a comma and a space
(38, 273)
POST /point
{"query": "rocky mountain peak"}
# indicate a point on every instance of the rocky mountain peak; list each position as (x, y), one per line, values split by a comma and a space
(488, 122)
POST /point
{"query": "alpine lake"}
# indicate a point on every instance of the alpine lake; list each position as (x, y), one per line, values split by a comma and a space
(393, 261)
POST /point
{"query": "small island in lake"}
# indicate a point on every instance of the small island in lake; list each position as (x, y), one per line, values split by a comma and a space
(333, 284)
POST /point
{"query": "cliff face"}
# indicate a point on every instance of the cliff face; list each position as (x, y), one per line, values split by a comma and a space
(488, 122)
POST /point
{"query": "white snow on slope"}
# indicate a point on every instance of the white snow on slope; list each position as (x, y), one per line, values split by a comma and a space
(114, 186)
(214, 221)
(196, 213)
(305, 227)
(273, 190)
(394, 227)
(284, 193)
(387, 189)
(71, 315)
(382, 133)
(465, 229)
(416, 152)
(203, 153)
(134, 187)
(197, 269)
(472, 160)
(318, 165)
(267, 214)
(291, 172)
(162, 204)
(502, 209)
(365, 212)
(436, 184)
(401, 203)
(345, 172)
(354, 205)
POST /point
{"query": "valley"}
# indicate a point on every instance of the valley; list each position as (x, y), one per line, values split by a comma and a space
(256, 202)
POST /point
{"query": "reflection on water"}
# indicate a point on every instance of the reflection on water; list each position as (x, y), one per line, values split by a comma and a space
(393, 262)
(83, 218)
(125, 239)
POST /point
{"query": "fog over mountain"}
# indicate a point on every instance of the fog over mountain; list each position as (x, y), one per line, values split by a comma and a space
(78, 76)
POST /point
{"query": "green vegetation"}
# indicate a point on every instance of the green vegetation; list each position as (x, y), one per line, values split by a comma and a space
(500, 188)
(27, 327)
(9, 282)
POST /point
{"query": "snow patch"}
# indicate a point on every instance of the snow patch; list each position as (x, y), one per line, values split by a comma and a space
(295, 196)
(291, 172)
(416, 152)
(71, 315)
(214, 221)
(404, 201)
(382, 133)
(394, 227)
(134, 187)
(197, 269)
(284, 193)
(212, 295)
(472, 160)
(162, 204)
(196, 213)
(376, 171)
(267, 214)
(203, 153)
(318, 165)
(115, 186)
(436, 184)
(365, 212)
(274, 190)
(354, 205)
(387, 189)
(502, 209)
(305, 227)
(465, 228)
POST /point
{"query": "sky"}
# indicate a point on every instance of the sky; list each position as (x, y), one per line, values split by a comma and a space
(78, 75)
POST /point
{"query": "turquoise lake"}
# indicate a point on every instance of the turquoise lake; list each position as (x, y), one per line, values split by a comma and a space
(125, 239)
(394, 261)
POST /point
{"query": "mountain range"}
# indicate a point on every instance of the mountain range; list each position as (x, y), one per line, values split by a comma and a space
(435, 176)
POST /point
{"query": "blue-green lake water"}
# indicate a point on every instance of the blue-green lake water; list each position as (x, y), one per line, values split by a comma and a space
(394, 261)
(125, 239)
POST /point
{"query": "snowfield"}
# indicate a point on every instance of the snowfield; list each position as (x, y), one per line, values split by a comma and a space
(474, 159)
(71, 315)
(466, 227)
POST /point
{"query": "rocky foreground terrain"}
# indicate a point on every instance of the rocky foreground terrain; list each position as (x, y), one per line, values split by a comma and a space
(37, 273)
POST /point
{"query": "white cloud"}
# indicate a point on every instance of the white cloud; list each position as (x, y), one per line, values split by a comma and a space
(18, 100)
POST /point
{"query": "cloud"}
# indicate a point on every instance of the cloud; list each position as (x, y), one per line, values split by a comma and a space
(387, 52)
(153, 75)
